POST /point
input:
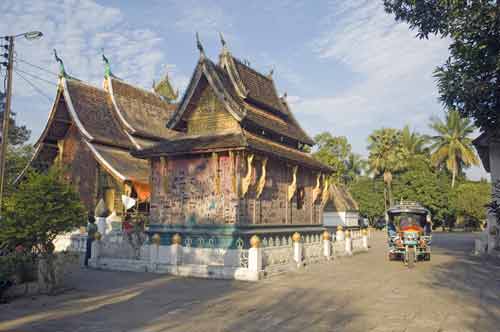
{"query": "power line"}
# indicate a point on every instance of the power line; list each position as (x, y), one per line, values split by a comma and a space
(35, 77)
(37, 89)
(35, 66)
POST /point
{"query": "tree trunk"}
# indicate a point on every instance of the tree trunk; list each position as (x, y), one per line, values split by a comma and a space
(389, 192)
(385, 196)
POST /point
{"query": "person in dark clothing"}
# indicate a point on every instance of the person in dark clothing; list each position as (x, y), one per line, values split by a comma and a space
(91, 231)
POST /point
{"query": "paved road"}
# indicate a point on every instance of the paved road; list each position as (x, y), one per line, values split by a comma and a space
(453, 292)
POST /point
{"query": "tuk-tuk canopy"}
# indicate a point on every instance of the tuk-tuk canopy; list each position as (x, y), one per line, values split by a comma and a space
(407, 207)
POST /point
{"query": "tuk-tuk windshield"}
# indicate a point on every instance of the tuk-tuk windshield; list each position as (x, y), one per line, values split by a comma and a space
(406, 219)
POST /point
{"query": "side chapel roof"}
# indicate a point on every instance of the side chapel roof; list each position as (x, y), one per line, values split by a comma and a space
(91, 111)
(143, 113)
(341, 200)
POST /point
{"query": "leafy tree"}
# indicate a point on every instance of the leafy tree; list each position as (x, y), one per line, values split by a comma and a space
(469, 80)
(369, 194)
(43, 207)
(469, 200)
(17, 159)
(386, 156)
(423, 184)
(334, 151)
(452, 146)
(18, 135)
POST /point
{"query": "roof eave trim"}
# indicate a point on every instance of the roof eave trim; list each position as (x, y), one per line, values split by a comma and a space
(228, 63)
(223, 97)
(104, 163)
(51, 117)
(38, 148)
(176, 117)
(72, 111)
(109, 80)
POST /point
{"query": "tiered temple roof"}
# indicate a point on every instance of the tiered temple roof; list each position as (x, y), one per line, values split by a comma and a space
(266, 123)
(112, 122)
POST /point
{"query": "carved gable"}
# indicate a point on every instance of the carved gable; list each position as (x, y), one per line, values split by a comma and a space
(209, 116)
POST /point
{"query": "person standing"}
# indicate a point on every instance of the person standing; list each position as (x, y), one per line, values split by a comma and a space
(91, 231)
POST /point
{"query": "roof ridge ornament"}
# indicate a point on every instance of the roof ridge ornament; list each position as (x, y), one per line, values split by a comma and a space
(271, 72)
(107, 66)
(225, 49)
(62, 71)
(200, 46)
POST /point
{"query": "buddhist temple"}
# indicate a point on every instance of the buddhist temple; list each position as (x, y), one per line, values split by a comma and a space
(91, 132)
(238, 164)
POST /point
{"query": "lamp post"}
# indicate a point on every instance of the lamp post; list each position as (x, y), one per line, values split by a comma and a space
(32, 35)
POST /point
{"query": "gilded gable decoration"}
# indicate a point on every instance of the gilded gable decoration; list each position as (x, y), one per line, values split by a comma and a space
(317, 189)
(165, 90)
(326, 193)
(262, 179)
(293, 186)
(245, 182)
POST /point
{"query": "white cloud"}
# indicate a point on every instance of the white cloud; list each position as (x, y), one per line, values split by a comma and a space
(392, 71)
(393, 82)
(202, 17)
(79, 29)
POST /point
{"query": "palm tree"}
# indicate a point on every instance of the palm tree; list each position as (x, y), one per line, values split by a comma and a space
(387, 156)
(355, 165)
(413, 142)
(452, 148)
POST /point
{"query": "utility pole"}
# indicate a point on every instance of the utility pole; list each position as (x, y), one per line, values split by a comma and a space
(6, 117)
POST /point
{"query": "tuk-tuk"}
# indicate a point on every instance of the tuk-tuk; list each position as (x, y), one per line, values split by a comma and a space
(409, 232)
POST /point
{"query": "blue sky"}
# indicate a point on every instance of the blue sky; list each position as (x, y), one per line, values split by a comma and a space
(345, 65)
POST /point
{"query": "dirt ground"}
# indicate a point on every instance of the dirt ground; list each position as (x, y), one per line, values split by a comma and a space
(455, 291)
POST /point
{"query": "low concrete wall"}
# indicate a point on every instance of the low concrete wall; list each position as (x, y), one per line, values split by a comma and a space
(271, 255)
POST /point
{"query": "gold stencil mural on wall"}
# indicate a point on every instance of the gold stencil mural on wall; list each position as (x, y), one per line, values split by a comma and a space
(164, 174)
(215, 162)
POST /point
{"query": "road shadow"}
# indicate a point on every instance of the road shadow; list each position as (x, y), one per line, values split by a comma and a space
(471, 279)
(111, 301)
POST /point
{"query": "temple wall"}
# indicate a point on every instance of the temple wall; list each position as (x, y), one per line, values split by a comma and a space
(188, 191)
(81, 167)
(272, 206)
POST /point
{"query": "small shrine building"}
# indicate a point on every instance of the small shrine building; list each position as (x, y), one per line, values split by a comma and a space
(239, 164)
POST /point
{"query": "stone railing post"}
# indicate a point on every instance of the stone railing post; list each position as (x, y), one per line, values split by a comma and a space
(348, 243)
(95, 252)
(154, 250)
(176, 249)
(297, 249)
(327, 245)
(364, 233)
(255, 257)
(339, 235)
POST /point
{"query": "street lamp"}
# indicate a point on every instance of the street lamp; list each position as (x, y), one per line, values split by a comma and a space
(30, 35)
